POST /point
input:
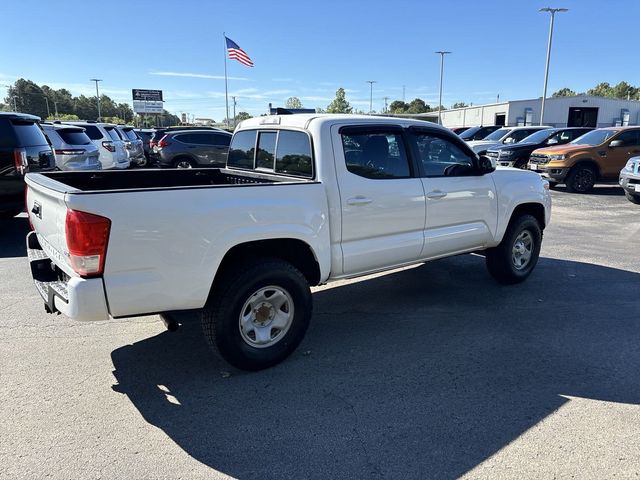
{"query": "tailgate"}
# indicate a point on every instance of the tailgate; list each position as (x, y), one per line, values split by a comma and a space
(47, 211)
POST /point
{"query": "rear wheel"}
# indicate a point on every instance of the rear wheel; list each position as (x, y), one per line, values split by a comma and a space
(632, 198)
(258, 314)
(581, 179)
(513, 260)
(183, 162)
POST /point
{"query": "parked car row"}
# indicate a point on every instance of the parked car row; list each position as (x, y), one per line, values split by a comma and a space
(577, 157)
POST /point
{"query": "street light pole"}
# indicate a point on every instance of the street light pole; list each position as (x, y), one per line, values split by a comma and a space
(371, 82)
(553, 12)
(97, 94)
(442, 53)
(55, 107)
(48, 111)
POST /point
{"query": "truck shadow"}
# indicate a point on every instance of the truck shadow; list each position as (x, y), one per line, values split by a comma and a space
(600, 190)
(424, 373)
(12, 237)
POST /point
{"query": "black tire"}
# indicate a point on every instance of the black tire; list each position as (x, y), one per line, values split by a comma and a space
(521, 163)
(552, 185)
(221, 316)
(184, 161)
(500, 260)
(632, 198)
(142, 163)
(581, 179)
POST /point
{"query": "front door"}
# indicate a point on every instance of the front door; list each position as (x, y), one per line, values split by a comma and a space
(382, 200)
(461, 204)
(615, 158)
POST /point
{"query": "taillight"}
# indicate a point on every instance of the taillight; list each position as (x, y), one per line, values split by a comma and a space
(87, 237)
(109, 146)
(70, 151)
(20, 160)
(163, 142)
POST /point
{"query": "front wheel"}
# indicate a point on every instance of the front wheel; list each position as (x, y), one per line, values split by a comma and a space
(513, 260)
(632, 198)
(581, 179)
(258, 314)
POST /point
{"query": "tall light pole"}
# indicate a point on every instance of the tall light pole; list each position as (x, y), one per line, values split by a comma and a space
(371, 82)
(97, 93)
(442, 53)
(553, 12)
(55, 105)
(234, 110)
(48, 111)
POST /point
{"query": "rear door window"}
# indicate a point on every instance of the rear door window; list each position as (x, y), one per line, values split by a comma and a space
(92, 132)
(216, 139)
(376, 155)
(73, 137)
(28, 133)
(242, 149)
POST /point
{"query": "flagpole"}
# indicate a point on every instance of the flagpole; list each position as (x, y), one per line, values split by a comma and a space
(226, 89)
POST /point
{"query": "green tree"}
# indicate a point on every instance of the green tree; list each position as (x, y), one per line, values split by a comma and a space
(293, 102)
(242, 116)
(339, 104)
(64, 116)
(624, 90)
(417, 105)
(459, 105)
(398, 106)
(29, 97)
(564, 92)
(603, 89)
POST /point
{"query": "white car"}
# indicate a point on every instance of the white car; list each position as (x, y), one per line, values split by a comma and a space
(305, 199)
(503, 136)
(72, 147)
(113, 154)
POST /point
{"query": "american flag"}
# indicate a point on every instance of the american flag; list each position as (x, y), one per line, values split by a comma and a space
(236, 53)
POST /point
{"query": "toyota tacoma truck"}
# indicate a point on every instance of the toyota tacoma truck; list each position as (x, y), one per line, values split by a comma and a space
(303, 200)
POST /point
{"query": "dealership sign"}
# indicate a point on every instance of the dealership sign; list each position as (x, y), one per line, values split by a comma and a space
(147, 107)
(147, 95)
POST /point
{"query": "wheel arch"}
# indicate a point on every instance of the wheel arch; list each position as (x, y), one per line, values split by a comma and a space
(587, 161)
(534, 209)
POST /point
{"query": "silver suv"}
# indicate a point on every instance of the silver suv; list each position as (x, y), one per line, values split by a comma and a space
(110, 145)
(629, 180)
(72, 147)
(133, 145)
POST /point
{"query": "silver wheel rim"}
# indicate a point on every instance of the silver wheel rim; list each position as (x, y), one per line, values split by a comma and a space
(183, 164)
(522, 250)
(266, 317)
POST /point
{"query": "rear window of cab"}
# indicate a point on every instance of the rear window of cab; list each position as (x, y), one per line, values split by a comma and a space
(286, 152)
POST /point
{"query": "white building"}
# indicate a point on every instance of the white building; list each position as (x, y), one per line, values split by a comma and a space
(578, 111)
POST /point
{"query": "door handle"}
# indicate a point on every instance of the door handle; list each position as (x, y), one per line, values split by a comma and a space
(436, 194)
(359, 200)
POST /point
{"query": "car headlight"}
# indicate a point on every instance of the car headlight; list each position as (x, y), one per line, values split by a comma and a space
(506, 153)
(629, 166)
(556, 157)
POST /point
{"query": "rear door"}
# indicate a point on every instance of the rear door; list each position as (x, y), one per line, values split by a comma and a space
(218, 147)
(382, 200)
(461, 205)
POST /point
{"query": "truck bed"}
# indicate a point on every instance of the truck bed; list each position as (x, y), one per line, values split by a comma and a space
(160, 179)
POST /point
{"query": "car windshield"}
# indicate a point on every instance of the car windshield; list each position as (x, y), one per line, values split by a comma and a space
(537, 137)
(498, 134)
(468, 134)
(595, 137)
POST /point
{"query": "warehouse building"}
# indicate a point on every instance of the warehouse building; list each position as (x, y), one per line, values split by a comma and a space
(578, 111)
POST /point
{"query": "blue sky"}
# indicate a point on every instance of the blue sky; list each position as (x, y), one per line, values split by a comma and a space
(310, 48)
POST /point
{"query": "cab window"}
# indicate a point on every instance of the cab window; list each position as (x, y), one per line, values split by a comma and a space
(376, 154)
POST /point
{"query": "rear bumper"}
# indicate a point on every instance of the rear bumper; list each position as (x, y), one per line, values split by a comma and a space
(77, 298)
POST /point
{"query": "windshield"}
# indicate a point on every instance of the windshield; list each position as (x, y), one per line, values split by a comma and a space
(498, 134)
(595, 137)
(469, 133)
(538, 137)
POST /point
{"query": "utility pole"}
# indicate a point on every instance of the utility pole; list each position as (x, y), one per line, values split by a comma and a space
(442, 53)
(553, 12)
(234, 110)
(97, 94)
(371, 82)
(55, 106)
(48, 111)
(386, 99)
(498, 98)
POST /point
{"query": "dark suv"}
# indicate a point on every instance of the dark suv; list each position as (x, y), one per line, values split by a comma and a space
(23, 148)
(193, 148)
(478, 133)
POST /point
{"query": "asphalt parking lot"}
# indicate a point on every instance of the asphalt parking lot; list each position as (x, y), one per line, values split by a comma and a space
(431, 372)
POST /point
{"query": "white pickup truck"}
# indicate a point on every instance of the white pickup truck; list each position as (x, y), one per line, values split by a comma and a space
(304, 199)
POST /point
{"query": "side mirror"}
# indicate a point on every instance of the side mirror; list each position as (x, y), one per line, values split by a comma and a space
(616, 143)
(486, 164)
